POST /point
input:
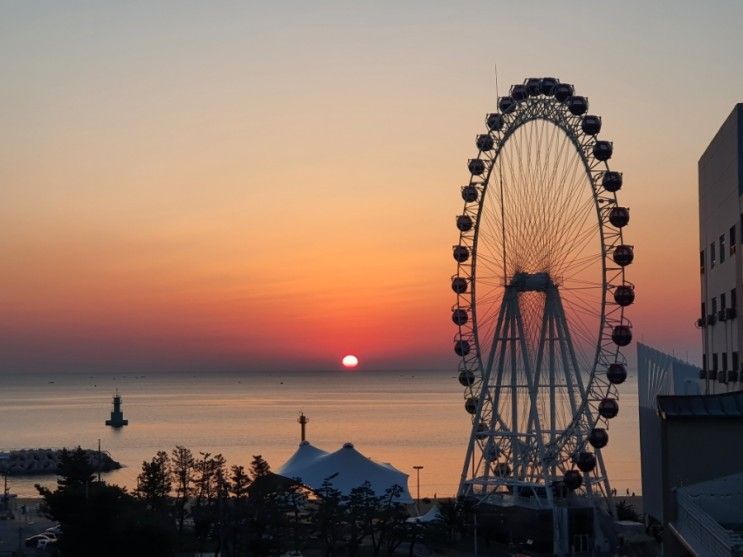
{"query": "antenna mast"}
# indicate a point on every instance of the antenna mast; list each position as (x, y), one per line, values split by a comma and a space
(303, 420)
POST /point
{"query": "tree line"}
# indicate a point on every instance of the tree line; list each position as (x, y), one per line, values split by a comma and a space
(185, 503)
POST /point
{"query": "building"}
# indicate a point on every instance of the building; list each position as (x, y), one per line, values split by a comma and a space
(698, 443)
(709, 519)
(658, 374)
(720, 229)
(687, 441)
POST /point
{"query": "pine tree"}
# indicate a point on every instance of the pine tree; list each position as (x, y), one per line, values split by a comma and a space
(154, 483)
(259, 467)
(239, 482)
(182, 476)
(74, 469)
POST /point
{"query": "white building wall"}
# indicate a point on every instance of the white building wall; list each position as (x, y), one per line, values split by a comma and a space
(720, 209)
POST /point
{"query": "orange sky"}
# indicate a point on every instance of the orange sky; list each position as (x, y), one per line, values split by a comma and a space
(240, 188)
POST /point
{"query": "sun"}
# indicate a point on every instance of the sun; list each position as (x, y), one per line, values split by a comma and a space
(350, 361)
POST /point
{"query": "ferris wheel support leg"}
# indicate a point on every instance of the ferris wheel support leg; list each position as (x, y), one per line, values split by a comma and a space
(496, 337)
(485, 380)
(540, 362)
(563, 323)
(563, 341)
(533, 411)
(515, 441)
(547, 337)
(560, 535)
(503, 346)
(494, 404)
(553, 337)
(487, 400)
(553, 409)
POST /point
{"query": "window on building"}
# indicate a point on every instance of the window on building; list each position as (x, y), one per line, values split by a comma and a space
(712, 255)
(732, 240)
(734, 299)
(714, 306)
(714, 362)
(734, 365)
(724, 361)
(701, 262)
(722, 248)
(722, 302)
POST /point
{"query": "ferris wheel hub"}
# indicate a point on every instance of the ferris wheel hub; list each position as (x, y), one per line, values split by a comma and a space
(532, 282)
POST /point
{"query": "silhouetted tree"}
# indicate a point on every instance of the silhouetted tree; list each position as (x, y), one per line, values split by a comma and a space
(451, 517)
(104, 519)
(182, 475)
(390, 523)
(154, 483)
(74, 469)
(290, 499)
(329, 516)
(361, 509)
(234, 520)
(259, 467)
(209, 483)
(239, 483)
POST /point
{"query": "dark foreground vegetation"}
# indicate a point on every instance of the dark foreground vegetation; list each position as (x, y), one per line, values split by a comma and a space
(186, 503)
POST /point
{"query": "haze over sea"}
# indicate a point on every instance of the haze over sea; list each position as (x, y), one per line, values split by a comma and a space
(405, 418)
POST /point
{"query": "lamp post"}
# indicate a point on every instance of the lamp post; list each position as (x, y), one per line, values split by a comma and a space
(418, 469)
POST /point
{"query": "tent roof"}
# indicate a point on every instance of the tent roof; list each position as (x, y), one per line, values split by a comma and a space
(303, 457)
(346, 468)
(433, 515)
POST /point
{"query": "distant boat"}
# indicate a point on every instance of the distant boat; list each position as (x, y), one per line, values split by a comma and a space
(117, 416)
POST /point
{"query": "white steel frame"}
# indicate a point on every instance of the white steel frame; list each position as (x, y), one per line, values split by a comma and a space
(501, 463)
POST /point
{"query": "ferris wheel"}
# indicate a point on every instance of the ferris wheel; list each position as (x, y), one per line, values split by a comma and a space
(541, 297)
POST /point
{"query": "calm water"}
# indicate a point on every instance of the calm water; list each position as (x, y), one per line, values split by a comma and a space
(401, 418)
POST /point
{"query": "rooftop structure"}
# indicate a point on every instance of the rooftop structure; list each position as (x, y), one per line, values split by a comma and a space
(724, 405)
(709, 520)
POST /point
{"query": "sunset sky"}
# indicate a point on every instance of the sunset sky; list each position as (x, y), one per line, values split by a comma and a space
(218, 185)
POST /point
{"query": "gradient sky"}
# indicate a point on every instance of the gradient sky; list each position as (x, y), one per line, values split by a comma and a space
(217, 185)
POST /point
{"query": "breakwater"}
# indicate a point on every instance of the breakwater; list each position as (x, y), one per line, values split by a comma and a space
(34, 462)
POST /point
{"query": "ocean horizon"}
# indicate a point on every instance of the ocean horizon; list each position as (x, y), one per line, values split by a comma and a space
(405, 418)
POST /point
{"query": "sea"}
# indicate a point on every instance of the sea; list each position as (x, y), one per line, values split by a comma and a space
(403, 418)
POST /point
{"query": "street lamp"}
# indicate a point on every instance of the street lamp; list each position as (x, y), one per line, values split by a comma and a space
(418, 469)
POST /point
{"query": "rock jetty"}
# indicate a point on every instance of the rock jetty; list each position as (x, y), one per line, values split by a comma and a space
(34, 462)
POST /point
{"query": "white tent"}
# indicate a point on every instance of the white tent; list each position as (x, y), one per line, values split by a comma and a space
(346, 469)
(433, 515)
(305, 455)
